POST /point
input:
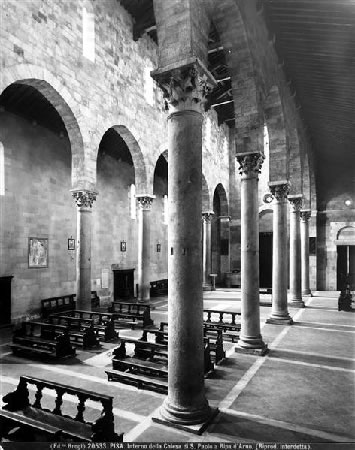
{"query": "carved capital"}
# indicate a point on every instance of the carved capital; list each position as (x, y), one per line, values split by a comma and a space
(305, 215)
(84, 198)
(207, 216)
(250, 163)
(185, 87)
(279, 190)
(145, 202)
(296, 202)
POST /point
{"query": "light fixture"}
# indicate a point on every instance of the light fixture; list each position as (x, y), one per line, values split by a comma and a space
(348, 202)
(267, 198)
(123, 246)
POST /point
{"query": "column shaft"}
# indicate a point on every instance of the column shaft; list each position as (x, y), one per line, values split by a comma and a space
(295, 252)
(185, 88)
(84, 201)
(250, 336)
(144, 203)
(305, 216)
(206, 249)
(279, 313)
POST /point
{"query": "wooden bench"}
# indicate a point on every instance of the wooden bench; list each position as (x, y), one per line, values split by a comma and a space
(81, 331)
(214, 339)
(103, 323)
(154, 353)
(139, 381)
(227, 323)
(34, 420)
(134, 312)
(159, 287)
(42, 339)
(64, 303)
(57, 305)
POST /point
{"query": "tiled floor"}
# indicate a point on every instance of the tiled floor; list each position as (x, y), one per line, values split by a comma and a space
(302, 391)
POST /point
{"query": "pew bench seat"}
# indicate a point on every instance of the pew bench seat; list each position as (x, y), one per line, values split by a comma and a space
(139, 381)
(19, 418)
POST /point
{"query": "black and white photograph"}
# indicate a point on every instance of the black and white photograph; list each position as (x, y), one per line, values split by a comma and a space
(177, 224)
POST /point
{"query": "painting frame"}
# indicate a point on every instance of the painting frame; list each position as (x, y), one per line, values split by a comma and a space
(37, 253)
(71, 244)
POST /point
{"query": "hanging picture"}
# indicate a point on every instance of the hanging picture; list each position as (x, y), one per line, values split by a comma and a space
(71, 244)
(37, 252)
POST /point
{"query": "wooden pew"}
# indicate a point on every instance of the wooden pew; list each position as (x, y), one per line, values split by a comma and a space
(214, 337)
(103, 323)
(134, 312)
(64, 303)
(42, 339)
(159, 287)
(57, 305)
(34, 420)
(81, 331)
(227, 323)
(148, 364)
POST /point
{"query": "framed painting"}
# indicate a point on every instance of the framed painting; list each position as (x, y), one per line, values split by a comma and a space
(37, 253)
(71, 244)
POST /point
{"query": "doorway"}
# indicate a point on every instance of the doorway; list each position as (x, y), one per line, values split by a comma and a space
(265, 259)
(123, 284)
(345, 266)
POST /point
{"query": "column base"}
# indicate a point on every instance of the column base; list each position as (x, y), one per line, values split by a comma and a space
(252, 346)
(198, 428)
(299, 303)
(307, 293)
(280, 319)
(206, 287)
(193, 421)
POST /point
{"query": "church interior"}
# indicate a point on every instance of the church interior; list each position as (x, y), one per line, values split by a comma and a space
(177, 221)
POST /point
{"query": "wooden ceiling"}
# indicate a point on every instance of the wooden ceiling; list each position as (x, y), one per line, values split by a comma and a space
(316, 41)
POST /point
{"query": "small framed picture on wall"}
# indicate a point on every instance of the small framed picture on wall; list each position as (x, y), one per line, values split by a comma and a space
(71, 244)
(37, 253)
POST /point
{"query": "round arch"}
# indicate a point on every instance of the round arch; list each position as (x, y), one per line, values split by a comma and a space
(295, 166)
(275, 122)
(68, 109)
(229, 23)
(137, 158)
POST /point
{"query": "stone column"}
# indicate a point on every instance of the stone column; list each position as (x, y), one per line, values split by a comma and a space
(206, 249)
(144, 207)
(185, 88)
(295, 251)
(279, 313)
(250, 339)
(84, 200)
(305, 216)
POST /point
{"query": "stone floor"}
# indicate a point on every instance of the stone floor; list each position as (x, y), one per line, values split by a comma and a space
(302, 391)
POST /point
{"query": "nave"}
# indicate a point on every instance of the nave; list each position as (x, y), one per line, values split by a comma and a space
(301, 391)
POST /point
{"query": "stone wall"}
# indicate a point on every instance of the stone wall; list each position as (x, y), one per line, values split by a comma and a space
(41, 44)
(37, 203)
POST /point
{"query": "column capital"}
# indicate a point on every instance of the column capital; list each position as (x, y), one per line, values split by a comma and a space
(296, 202)
(250, 162)
(145, 201)
(185, 85)
(83, 197)
(207, 216)
(305, 215)
(279, 189)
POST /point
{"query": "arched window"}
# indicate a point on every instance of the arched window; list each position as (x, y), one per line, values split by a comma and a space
(148, 86)
(266, 152)
(132, 208)
(89, 32)
(165, 210)
(2, 170)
